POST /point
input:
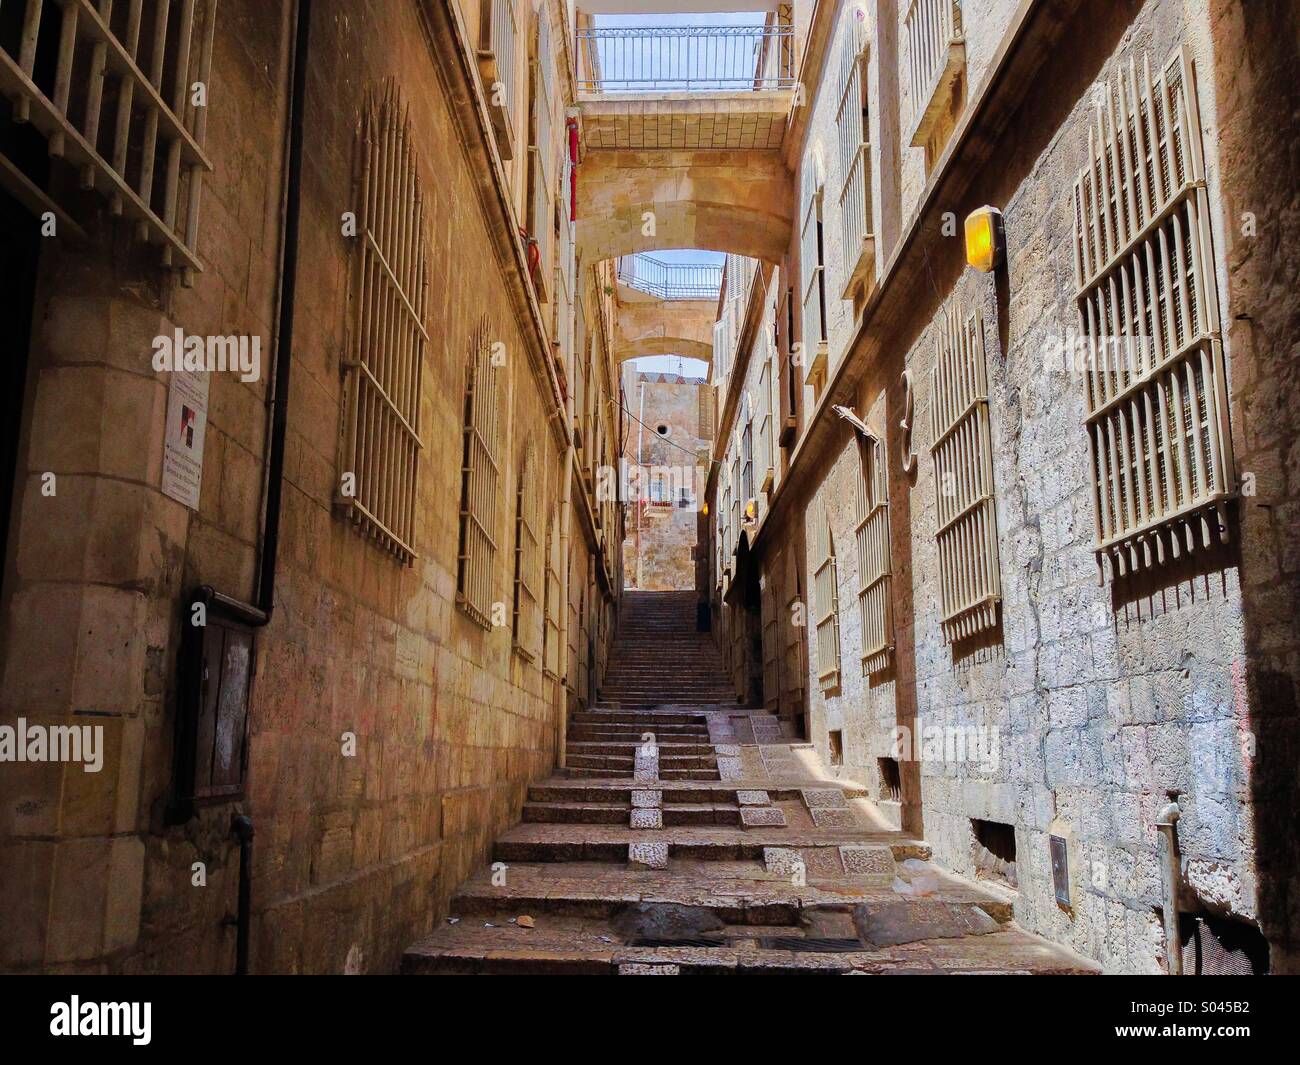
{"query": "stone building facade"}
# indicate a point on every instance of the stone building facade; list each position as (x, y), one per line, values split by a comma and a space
(436, 394)
(662, 453)
(1022, 697)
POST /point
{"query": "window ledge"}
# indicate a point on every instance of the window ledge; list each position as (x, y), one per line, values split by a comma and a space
(941, 93)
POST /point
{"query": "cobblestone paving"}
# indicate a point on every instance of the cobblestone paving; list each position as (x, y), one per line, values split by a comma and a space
(716, 849)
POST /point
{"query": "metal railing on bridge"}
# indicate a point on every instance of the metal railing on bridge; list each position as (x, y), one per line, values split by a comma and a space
(670, 281)
(685, 58)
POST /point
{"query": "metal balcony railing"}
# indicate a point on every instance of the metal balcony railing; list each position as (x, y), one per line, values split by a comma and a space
(685, 58)
(670, 281)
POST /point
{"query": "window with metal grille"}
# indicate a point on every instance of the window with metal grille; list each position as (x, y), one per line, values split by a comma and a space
(381, 423)
(551, 599)
(766, 463)
(707, 411)
(812, 265)
(969, 580)
(826, 600)
(851, 129)
(746, 453)
(872, 532)
(480, 481)
(738, 497)
(124, 101)
(498, 27)
(541, 220)
(528, 625)
(936, 57)
(1157, 424)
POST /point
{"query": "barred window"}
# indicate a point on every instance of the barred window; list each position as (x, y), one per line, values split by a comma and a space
(480, 479)
(551, 599)
(541, 218)
(707, 411)
(872, 532)
(851, 129)
(766, 464)
(812, 264)
(381, 424)
(970, 584)
(746, 453)
(497, 28)
(1161, 452)
(115, 98)
(826, 601)
(527, 621)
(936, 56)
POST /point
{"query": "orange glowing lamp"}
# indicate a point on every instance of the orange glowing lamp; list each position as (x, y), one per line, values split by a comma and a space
(984, 239)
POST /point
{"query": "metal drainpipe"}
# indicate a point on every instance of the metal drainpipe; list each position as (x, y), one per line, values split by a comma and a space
(242, 829)
(1167, 826)
(242, 824)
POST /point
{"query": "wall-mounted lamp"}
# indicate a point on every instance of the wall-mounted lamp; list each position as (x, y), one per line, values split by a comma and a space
(751, 510)
(706, 509)
(985, 241)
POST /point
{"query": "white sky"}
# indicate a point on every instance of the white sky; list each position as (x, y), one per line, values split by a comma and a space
(671, 364)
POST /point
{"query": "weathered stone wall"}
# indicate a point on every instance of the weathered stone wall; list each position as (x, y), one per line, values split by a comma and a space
(355, 856)
(1102, 696)
(658, 554)
(1098, 697)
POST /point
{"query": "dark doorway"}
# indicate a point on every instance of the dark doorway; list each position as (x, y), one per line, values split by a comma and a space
(20, 242)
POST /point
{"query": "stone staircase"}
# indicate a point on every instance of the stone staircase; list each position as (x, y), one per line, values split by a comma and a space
(688, 834)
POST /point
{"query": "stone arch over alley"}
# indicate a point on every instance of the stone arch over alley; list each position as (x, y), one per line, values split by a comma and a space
(728, 201)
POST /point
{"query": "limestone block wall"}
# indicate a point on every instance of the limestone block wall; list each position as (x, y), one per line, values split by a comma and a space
(355, 854)
(1101, 696)
(658, 554)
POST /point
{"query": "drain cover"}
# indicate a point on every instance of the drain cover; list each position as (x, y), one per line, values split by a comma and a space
(811, 946)
(677, 943)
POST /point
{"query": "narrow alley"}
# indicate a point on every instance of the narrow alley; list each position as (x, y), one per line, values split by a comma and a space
(691, 835)
(649, 487)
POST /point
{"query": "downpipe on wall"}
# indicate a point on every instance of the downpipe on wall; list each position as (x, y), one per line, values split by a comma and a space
(258, 615)
(241, 827)
(1171, 870)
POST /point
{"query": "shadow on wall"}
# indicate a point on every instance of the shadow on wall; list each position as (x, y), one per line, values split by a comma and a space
(1255, 48)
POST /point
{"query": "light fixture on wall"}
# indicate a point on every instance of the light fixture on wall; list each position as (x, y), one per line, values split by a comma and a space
(985, 240)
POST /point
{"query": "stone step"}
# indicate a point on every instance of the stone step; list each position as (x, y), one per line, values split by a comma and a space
(556, 790)
(614, 761)
(618, 716)
(627, 747)
(587, 813)
(592, 734)
(608, 843)
(561, 945)
(626, 774)
(587, 891)
(606, 813)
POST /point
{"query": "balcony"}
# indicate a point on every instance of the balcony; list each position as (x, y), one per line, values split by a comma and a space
(671, 59)
(670, 281)
(686, 87)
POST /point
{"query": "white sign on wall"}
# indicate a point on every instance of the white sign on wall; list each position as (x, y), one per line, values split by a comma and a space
(187, 421)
